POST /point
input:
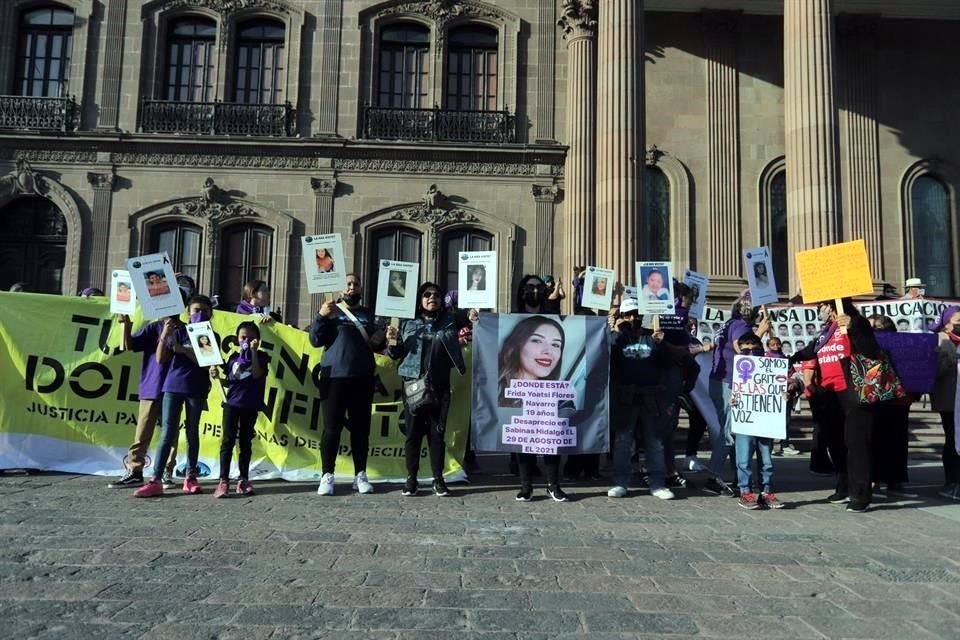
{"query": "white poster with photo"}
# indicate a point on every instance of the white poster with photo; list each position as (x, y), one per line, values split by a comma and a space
(763, 287)
(397, 289)
(323, 263)
(477, 280)
(156, 285)
(204, 344)
(598, 287)
(655, 280)
(759, 402)
(123, 298)
(698, 284)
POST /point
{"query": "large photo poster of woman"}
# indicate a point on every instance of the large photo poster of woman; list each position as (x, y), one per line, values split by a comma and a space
(540, 384)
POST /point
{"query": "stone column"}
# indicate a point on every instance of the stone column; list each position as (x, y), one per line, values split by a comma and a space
(330, 26)
(723, 151)
(545, 71)
(620, 132)
(102, 184)
(324, 189)
(546, 198)
(578, 21)
(813, 214)
(857, 95)
(108, 117)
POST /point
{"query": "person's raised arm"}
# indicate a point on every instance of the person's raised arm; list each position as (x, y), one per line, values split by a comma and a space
(256, 365)
(165, 352)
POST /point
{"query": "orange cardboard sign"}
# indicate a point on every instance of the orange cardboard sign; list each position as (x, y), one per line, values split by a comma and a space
(836, 271)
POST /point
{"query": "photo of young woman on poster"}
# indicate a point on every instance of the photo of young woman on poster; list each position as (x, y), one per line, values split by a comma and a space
(477, 279)
(532, 351)
(324, 258)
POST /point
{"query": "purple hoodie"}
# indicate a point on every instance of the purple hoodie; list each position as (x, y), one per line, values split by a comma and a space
(944, 319)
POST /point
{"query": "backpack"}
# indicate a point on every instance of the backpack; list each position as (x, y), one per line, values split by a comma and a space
(874, 380)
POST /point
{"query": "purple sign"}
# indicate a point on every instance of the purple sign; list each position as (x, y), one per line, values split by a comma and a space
(914, 357)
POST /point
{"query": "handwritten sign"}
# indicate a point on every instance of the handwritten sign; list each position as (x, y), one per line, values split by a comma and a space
(759, 392)
(837, 271)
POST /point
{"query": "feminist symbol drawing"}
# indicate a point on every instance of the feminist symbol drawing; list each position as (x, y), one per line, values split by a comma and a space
(745, 368)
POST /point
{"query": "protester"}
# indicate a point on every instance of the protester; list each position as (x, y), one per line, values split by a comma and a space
(680, 370)
(185, 386)
(256, 301)
(775, 350)
(348, 336)
(555, 295)
(697, 424)
(913, 288)
(246, 385)
(944, 396)
(428, 348)
(152, 375)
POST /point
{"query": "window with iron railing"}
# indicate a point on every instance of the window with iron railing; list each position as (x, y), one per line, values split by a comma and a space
(43, 53)
(472, 69)
(191, 50)
(404, 73)
(259, 74)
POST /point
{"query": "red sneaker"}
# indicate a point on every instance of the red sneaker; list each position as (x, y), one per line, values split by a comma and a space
(748, 500)
(770, 499)
(190, 485)
(244, 487)
(223, 489)
(150, 490)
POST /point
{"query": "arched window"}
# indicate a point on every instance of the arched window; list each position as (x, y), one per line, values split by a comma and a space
(182, 242)
(33, 246)
(404, 73)
(777, 221)
(259, 76)
(933, 259)
(43, 53)
(472, 68)
(247, 254)
(453, 243)
(190, 55)
(391, 243)
(654, 230)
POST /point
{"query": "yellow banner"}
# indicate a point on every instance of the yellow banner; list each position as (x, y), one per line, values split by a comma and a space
(68, 397)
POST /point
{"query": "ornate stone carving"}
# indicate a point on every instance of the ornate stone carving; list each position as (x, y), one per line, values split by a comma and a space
(21, 181)
(436, 211)
(578, 18)
(324, 186)
(227, 6)
(442, 12)
(653, 155)
(213, 206)
(397, 165)
(213, 160)
(546, 193)
(210, 193)
(101, 180)
(56, 156)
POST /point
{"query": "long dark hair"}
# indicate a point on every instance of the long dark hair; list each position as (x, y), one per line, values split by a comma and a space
(520, 306)
(862, 339)
(508, 363)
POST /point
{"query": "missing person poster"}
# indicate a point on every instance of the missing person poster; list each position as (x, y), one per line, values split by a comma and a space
(155, 282)
(759, 396)
(397, 289)
(763, 287)
(698, 284)
(655, 280)
(323, 263)
(123, 298)
(477, 280)
(204, 344)
(540, 384)
(598, 285)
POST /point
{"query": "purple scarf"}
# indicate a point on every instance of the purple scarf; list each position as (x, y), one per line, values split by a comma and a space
(248, 309)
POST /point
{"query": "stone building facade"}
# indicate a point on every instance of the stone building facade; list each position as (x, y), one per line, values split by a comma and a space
(223, 130)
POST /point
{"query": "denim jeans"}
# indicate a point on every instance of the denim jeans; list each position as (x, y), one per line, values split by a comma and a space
(628, 417)
(744, 447)
(173, 404)
(719, 435)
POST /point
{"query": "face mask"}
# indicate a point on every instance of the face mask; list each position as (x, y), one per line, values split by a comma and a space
(956, 331)
(351, 298)
(825, 313)
(244, 344)
(532, 298)
(756, 351)
(199, 316)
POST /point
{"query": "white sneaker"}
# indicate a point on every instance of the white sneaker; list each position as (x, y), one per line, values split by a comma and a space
(693, 464)
(326, 485)
(360, 483)
(663, 493)
(168, 480)
(617, 492)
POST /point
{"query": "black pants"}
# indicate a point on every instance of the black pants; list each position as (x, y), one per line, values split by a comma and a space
(345, 403)
(830, 417)
(697, 425)
(951, 461)
(858, 436)
(528, 465)
(432, 423)
(890, 444)
(237, 422)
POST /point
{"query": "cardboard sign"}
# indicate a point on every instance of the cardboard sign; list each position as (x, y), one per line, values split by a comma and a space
(759, 391)
(837, 271)
(763, 288)
(598, 288)
(698, 284)
(156, 285)
(323, 263)
(123, 297)
(655, 280)
(397, 289)
(204, 344)
(477, 280)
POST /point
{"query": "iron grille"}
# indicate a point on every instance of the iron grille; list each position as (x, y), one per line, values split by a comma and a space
(439, 125)
(217, 118)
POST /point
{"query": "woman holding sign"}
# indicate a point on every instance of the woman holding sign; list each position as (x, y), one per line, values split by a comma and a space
(428, 347)
(944, 396)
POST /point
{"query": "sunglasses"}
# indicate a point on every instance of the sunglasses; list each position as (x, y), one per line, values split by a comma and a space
(431, 294)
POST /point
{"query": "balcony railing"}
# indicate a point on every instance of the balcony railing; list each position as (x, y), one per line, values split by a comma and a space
(218, 118)
(40, 114)
(439, 125)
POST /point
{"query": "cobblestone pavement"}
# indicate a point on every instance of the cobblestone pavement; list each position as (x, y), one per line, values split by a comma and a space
(80, 561)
